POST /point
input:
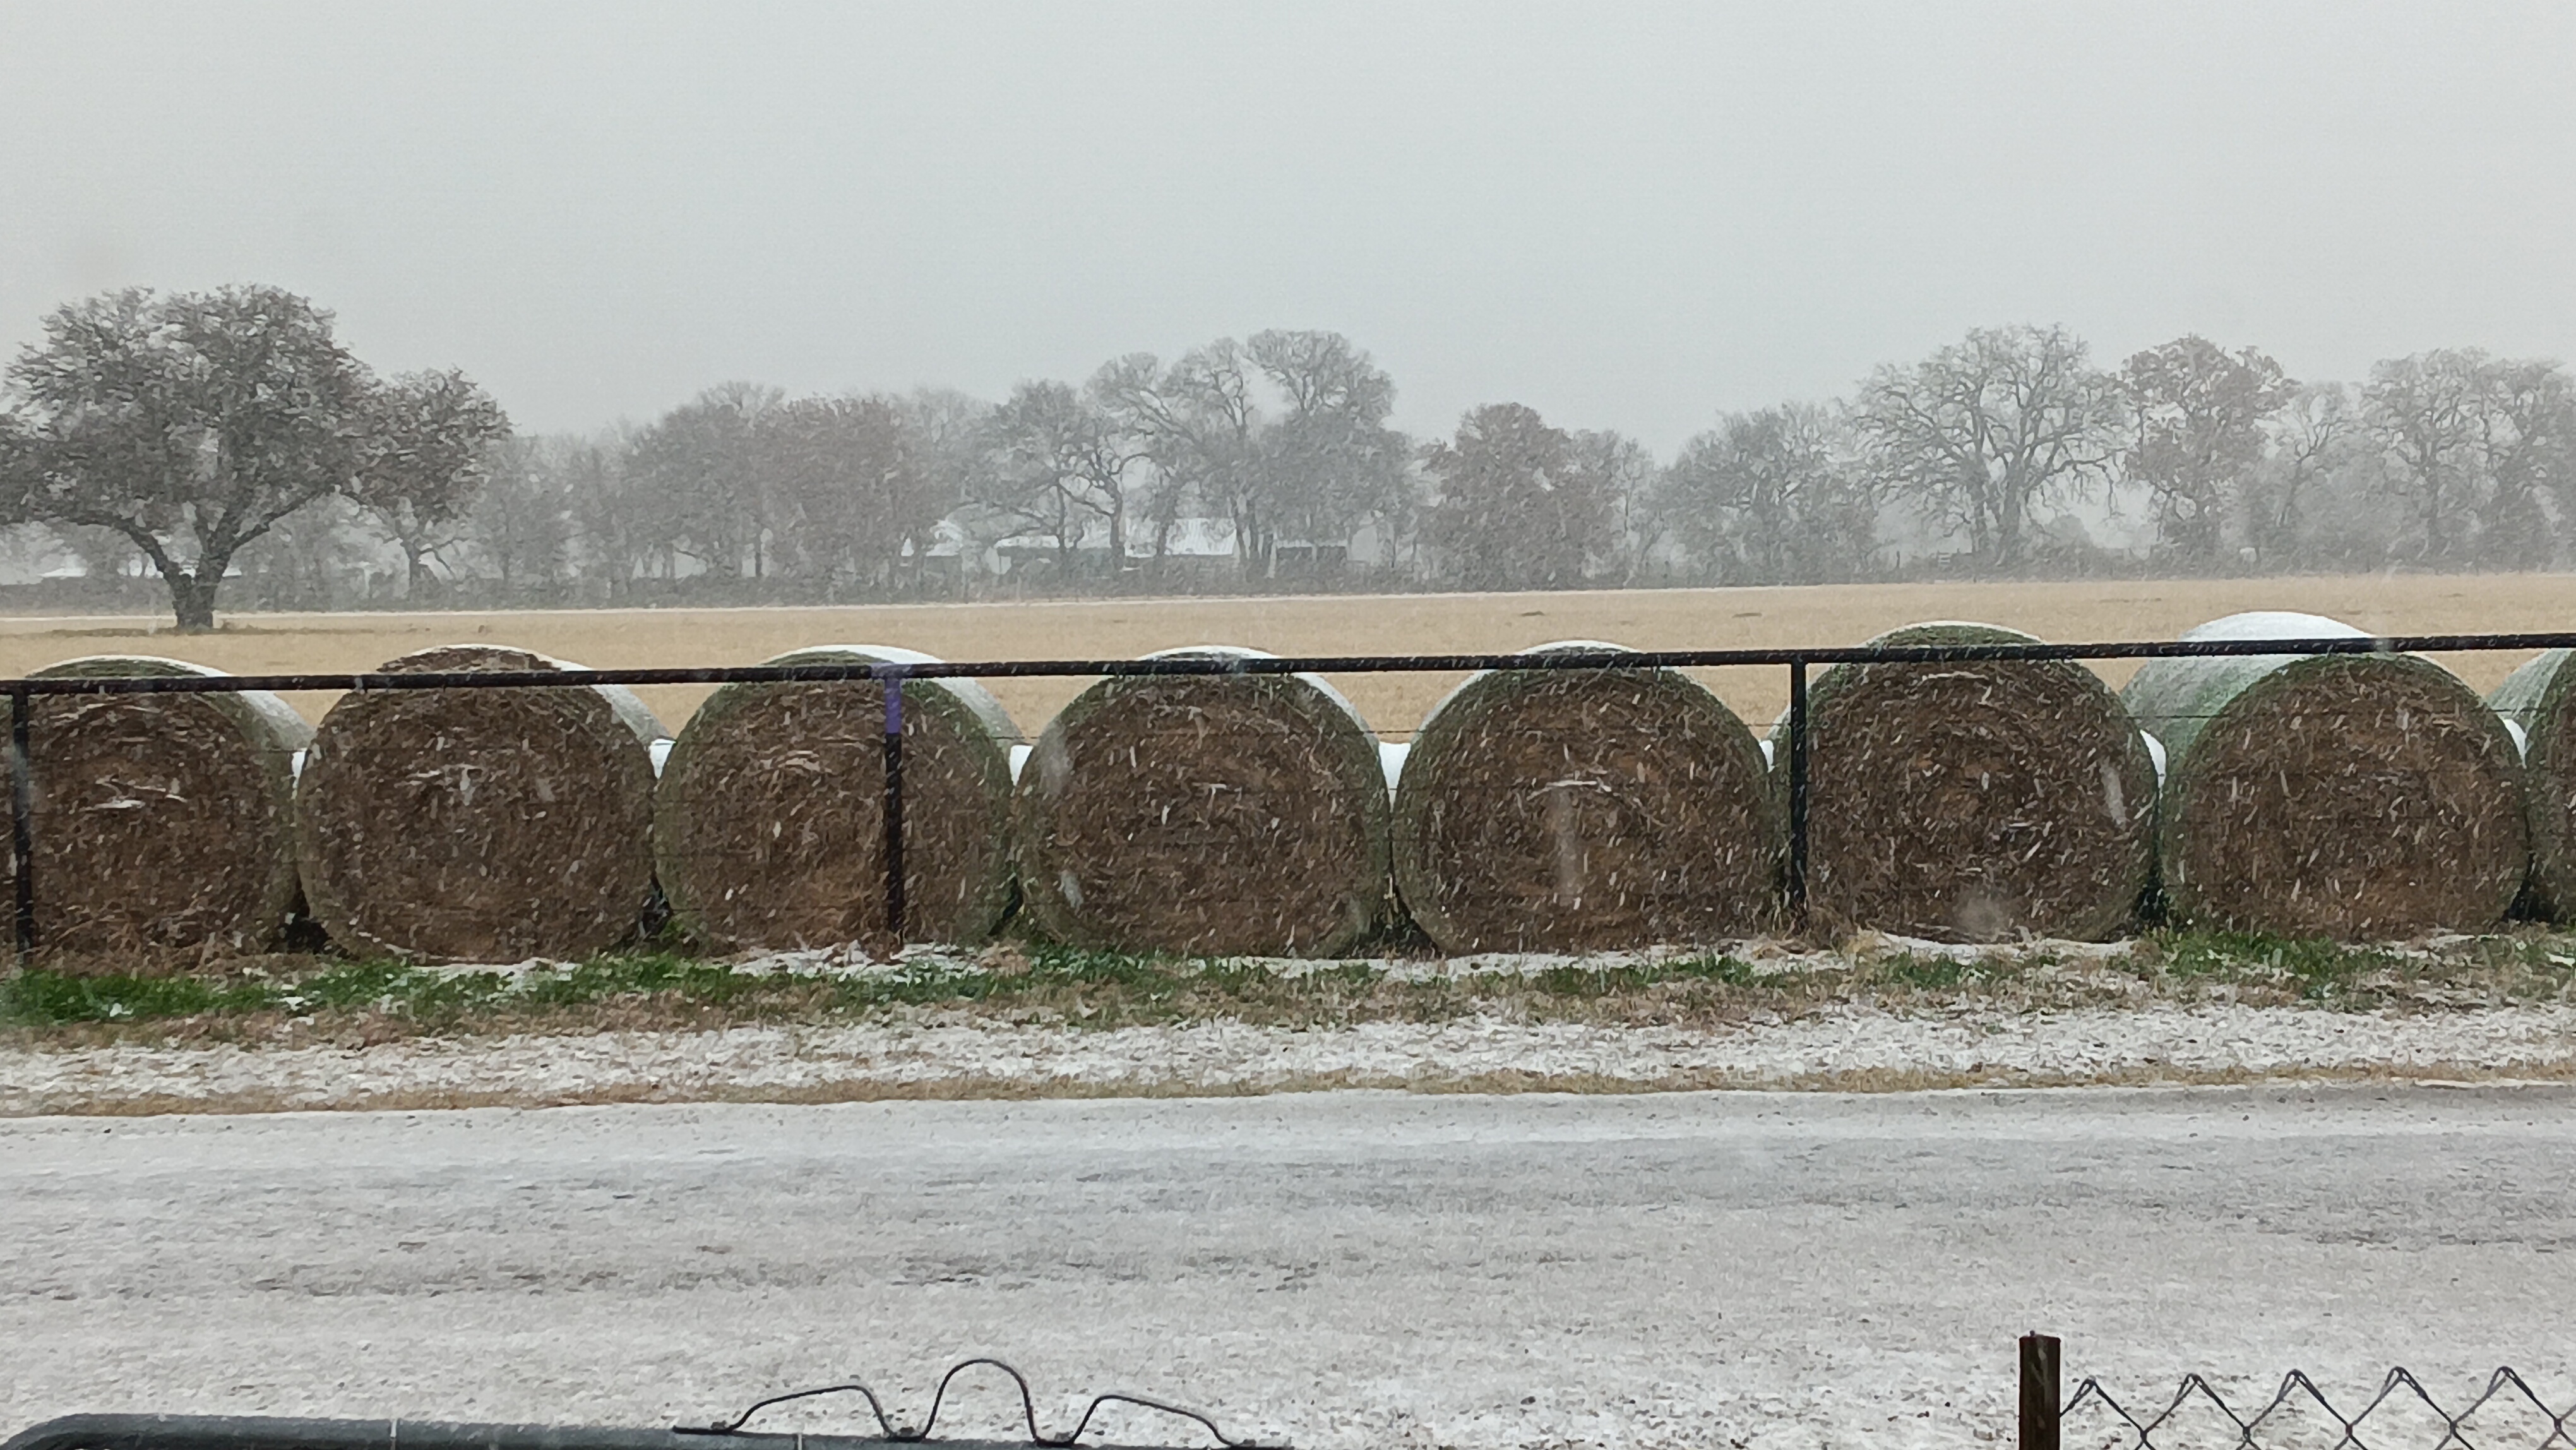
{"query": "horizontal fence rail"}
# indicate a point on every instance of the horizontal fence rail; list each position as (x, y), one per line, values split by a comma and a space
(1674, 659)
(1799, 660)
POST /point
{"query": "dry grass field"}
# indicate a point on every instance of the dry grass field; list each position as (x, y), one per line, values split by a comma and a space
(1655, 619)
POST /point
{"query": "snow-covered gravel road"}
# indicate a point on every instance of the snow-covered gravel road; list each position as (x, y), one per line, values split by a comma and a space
(1341, 1269)
(1843, 1046)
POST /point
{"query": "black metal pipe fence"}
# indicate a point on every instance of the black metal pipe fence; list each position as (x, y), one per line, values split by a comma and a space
(23, 694)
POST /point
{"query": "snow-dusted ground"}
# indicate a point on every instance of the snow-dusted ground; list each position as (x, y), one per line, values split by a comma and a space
(1338, 1269)
(1848, 1046)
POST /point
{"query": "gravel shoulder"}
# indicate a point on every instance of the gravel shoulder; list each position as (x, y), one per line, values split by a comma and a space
(1835, 1047)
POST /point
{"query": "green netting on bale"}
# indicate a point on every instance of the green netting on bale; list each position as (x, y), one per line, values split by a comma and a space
(164, 824)
(769, 822)
(479, 824)
(2330, 795)
(1973, 801)
(1207, 814)
(1584, 810)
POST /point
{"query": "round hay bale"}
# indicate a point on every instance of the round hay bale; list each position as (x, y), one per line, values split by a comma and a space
(1973, 801)
(164, 824)
(479, 825)
(2334, 795)
(769, 822)
(1210, 814)
(1584, 810)
(2539, 701)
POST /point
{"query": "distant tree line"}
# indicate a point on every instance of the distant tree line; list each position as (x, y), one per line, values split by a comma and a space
(196, 438)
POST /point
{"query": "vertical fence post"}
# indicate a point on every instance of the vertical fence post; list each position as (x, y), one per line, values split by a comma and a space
(1796, 882)
(2039, 1402)
(22, 817)
(892, 681)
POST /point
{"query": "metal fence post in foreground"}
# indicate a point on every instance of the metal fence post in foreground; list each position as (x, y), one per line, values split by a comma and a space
(22, 817)
(893, 848)
(1795, 886)
(2039, 1402)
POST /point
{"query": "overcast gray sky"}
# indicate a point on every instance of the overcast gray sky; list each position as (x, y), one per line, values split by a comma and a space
(1629, 216)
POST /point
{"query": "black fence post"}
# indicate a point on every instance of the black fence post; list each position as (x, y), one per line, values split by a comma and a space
(22, 816)
(892, 681)
(2039, 1401)
(1796, 882)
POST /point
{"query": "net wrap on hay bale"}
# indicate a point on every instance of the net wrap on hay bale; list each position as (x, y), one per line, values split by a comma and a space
(1584, 810)
(1214, 814)
(2339, 795)
(2539, 699)
(164, 824)
(1973, 801)
(769, 822)
(479, 824)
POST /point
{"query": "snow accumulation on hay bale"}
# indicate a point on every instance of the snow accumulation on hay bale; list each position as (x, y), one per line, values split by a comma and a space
(2341, 795)
(1973, 801)
(1231, 814)
(2539, 700)
(479, 824)
(1584, 810)
(769, 822)
(164, 824)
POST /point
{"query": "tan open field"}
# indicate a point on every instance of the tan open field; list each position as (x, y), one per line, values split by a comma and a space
(1653, 619)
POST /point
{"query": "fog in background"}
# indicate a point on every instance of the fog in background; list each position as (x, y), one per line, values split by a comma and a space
(1631, 217)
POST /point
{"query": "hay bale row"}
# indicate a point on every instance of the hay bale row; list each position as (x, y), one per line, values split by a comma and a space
(1237, 813)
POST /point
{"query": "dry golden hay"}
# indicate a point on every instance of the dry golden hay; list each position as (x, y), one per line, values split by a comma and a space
(2336, 795)
(164, 824)
(2539, 700)
(769, 822)
(479, 824)
(1212, 814)
(1973, 801)
(1584, 810)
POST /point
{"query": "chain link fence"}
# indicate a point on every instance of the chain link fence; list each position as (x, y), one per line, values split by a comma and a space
(2506, 1413)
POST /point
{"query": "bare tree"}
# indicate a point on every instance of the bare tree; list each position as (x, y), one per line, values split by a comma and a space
(702, 461)
(2199, 413)
(523, 527)
(2312, 437)
(1774, 497)
(1513, 509)
(1329, 464)
(425, 458)
(2481, 446)
(1625, 472)
(1981, 432)
(1058, 464)
(850, 479)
